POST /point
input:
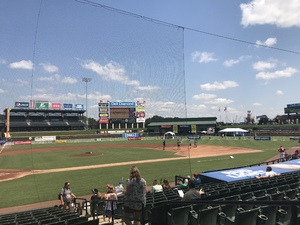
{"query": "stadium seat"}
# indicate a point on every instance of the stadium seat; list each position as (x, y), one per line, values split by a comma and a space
(277, 196)
(74, 221)
(208, 216)
(90, 222)
(290, 194)
(244, 217)
(179, 215)
(271, 213)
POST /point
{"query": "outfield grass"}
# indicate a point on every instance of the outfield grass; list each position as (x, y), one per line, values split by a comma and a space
(44, 187)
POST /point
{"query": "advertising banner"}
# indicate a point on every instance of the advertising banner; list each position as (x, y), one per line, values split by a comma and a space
(122, 104)
(194, 128)
(130, 135)
(22, 105)
(140, 120)
(175, 129)
(103, 115)
(103, 110)
(67, 106)
(55, 105)
(79, 106)
(42, 105)
(103, 120)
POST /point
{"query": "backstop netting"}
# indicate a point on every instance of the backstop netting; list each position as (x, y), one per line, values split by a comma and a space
(80, 53)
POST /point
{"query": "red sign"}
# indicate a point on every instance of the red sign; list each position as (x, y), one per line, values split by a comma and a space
(56, 106)
(165, 126)
(134, 138)
(103, 120)
(22, 142)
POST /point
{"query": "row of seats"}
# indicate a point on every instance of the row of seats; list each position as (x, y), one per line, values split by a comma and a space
(45, 216)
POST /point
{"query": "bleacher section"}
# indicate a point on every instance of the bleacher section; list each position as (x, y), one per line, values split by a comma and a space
(243, 201)
(50, 215)
(45, 120)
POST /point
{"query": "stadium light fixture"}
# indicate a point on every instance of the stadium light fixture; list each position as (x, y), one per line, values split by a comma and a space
(86, 80)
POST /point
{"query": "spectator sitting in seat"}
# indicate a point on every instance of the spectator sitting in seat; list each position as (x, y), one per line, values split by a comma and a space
(185, 183)
(192, 193)
(156, 187)
(166, 185)
(269, 173)
(295, 155)
(197, 178)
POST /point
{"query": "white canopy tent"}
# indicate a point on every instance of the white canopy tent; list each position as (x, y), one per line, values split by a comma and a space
(169, 133)
(234, 131)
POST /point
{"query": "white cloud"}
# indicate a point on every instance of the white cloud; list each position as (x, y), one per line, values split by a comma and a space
(219, 86)
(219, 101)
(231, 62)
(204, 96)
(22, 82)
(262, 65)
(148, 88)
(27, 65)
(69, 80)
(49, 67)
(203, 57)
(110, 71)
(279, 92)
(275, 12)
(257, 104)
(269, 42)
(288, 72)
(44, 90)
(55, 77)
(1, 91)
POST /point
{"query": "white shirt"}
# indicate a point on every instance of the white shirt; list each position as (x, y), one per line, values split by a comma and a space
(271, 174)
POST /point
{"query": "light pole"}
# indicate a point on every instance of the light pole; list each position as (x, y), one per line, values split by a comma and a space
(86, 80)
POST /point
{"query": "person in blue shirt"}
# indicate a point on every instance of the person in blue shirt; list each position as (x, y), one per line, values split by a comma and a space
(196, 178)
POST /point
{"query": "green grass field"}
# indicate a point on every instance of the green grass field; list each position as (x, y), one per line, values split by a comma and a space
(44, 187)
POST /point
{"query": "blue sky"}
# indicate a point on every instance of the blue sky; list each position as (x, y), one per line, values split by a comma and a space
(46, 47)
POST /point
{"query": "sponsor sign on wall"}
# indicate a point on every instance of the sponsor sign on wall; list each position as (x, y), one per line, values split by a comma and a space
(103, 110)
(42, 105)
(140, 120)
(103, 120)
(22, 105)
(79, 106)
(55, 105)
(67, 106)
(122, 104)
(103, 115)
(130, 135)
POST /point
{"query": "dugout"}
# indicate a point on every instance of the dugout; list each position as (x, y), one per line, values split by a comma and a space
(183, 126)
(19, 120)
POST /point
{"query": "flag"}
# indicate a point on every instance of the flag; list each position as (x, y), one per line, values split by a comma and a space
(225, 109)
(219, 109)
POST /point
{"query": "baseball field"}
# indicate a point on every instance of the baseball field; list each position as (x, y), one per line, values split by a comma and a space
(35, 173)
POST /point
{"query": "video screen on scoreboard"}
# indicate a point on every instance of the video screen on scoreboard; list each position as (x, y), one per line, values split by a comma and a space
(119, 113)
